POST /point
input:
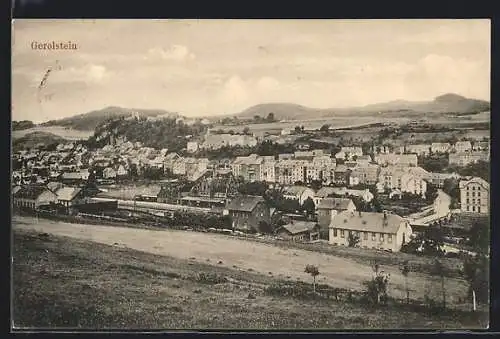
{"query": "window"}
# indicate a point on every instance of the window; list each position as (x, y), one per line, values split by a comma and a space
(334, 232)
(468, 200)
(473, 208)
(374, 236)
(467, 194)
(342, 233)
(479, 209)
(478, 194)
(468, 208)
(473, 194)
(381, 236)
(473, 188)
(473, 201)
(389, 238)
(365, 235)
(479, 201)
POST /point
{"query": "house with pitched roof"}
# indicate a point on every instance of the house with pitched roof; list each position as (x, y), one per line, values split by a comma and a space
(33, 196)
(299, 193)
(375, 230)
(329, 207)
(70, 196)
(247, 212)
(299, 231)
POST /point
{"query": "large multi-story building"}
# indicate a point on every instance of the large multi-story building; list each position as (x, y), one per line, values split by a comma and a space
(465, 158)
(216, 141)
(248, 168)
(367, 174)
(290, 171)
(462, 146)
(474, 195)
(406, 180)
(396, 159)
(440, 147)
(418, 149)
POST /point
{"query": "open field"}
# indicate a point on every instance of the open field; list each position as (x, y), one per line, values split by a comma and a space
(66, 282)
(66, 133)
(261, 258)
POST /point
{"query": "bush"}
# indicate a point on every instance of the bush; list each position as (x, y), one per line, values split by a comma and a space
(210, 278)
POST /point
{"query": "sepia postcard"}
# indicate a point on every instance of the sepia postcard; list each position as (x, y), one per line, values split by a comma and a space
(250, 175)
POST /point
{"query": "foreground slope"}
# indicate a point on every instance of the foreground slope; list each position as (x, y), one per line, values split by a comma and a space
(64, 282)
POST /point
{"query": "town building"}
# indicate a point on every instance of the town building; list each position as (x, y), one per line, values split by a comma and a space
(440, 147)
(217, 141)
(466, 158)
(248, 168)
(268, 170)
(405, 180)
(33, 196)
(438, 179)
(396, 159)
(418, 149)
(383, 231)
(329, 207)
(192, 146)
(291, 171)
(298, 193)
(462, 146)
(299, 231)
(342, 175)
(367, 174)
(247, 212)
(474, 195)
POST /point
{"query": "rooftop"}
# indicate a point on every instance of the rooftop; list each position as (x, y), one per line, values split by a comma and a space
(367, 222)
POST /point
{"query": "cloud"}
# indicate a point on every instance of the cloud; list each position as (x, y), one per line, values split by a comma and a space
(89, 74)
(234, 92)
(174, 52)
(268, 84)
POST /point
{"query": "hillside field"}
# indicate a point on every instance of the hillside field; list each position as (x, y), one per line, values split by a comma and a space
(64, 282)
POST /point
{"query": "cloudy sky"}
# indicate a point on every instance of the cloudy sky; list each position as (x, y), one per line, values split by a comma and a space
(209, 67)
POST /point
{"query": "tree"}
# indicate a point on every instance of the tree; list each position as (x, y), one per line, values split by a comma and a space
(479, 236)
(438, 269)
(405, 270)
(314, 272)
(270, 117)
(353, 239)
(433, 241)
(377, 286)
(476, 272)
(297, 129)
(257, 188)
(308, 206)
(325, 128)
(246, 130)
(265, 227)
(431, 194)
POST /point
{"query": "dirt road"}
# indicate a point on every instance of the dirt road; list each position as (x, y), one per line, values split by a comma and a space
(246, 255)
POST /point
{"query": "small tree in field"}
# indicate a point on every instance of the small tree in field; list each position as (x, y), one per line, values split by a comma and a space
(353, 239)
(405, 270)
(314, 272)
(377, 286)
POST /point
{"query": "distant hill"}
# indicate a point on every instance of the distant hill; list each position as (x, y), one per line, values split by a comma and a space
(20, 125)
(34, 139)
(89, 121)
(447, 103)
